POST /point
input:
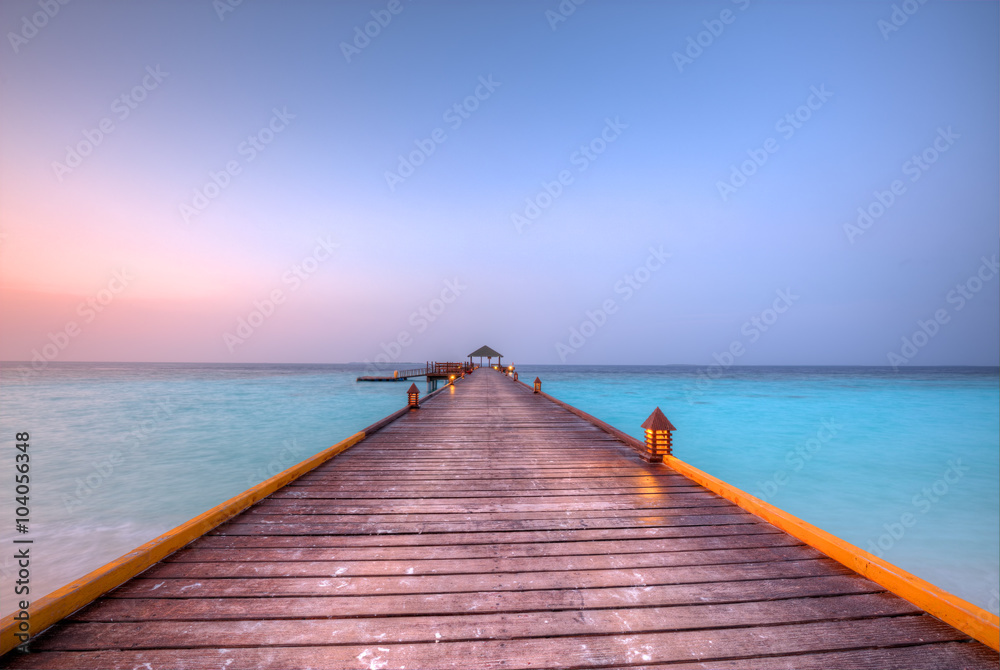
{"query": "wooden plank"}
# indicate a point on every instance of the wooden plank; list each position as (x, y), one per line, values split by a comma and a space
(569, 652)
(458, 627)
(295, 549)
(242, 565)
(295, 526)
(272, 537)
(922, 657)
(143, 587)
(710, 506)
(242, 608)
(631, 515)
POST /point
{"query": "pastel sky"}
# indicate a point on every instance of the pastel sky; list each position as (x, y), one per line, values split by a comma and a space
(615, 182)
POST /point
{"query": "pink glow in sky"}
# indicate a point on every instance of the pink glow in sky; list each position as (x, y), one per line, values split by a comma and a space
(219, 154)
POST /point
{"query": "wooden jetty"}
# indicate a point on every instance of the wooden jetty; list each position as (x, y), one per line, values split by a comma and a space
(431, 371)
(494, 527)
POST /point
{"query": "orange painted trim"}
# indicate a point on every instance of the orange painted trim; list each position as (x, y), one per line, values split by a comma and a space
(62, 602)
(976, 622)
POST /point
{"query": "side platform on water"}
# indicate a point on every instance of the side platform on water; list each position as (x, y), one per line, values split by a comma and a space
(496, 527)
(431, 371)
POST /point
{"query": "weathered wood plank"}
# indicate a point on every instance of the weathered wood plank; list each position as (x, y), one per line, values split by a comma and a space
(948, 655)
(478, 601)
(239, 564)
(533, 653)
(272, 537)
(253, 633)
(143, 587)
(296, 549)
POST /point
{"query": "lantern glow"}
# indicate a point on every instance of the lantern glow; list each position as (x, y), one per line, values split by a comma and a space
(659, 441)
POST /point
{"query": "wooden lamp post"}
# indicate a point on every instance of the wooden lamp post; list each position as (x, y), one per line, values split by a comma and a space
(413, 396)
(658, 436)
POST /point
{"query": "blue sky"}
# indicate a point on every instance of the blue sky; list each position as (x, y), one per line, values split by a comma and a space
(662, 139)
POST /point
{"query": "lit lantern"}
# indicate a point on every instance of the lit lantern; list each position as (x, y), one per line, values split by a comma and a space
(463, 373)
(451, 380)
(538, 385)
(658, 436)
(413, 396)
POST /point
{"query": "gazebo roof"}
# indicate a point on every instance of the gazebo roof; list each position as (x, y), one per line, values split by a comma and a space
(485, 352)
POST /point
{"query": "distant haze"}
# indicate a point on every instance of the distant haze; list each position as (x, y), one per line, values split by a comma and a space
(762, 183)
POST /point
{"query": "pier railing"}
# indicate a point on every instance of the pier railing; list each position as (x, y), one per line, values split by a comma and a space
(446, 368)
(430, 369)
(412, 372)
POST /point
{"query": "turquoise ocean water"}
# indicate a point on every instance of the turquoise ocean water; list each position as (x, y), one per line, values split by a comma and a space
(903, 464)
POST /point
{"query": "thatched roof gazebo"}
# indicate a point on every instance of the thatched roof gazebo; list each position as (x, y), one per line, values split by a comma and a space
(487, 353)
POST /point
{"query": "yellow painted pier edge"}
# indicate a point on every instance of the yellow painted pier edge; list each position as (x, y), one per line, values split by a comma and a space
(62, 602)
(59, 604)
(972, 620)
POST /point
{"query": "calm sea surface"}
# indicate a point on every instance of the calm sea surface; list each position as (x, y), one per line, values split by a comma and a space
(903, 464)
